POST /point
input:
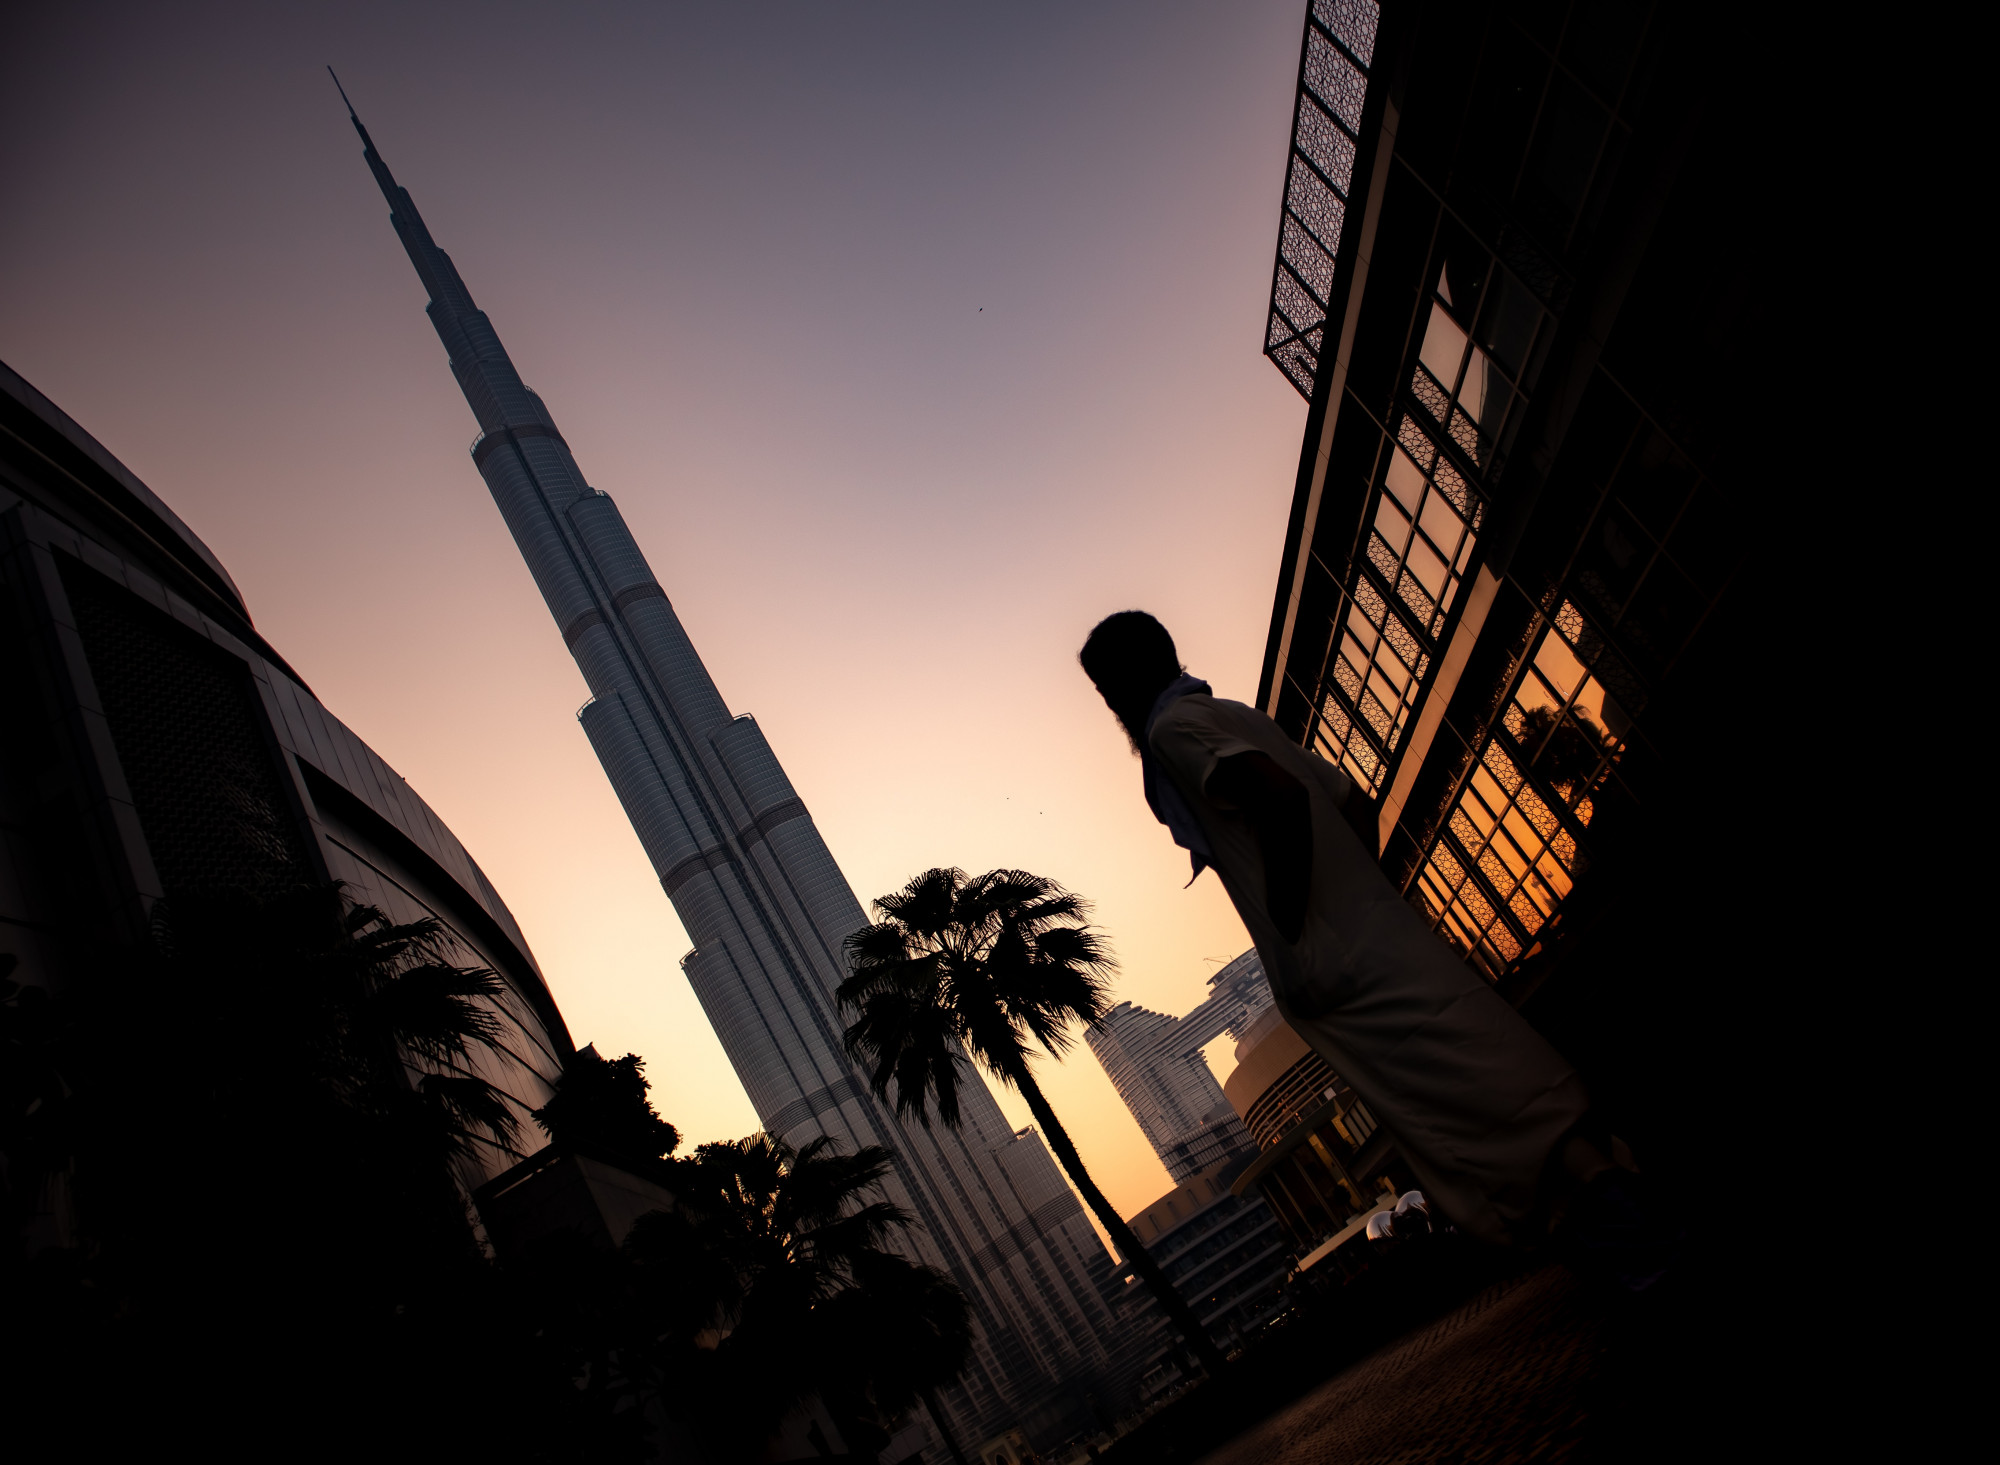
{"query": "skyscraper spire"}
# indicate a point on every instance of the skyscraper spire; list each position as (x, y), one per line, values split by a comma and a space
(349, 105)
(769, 910)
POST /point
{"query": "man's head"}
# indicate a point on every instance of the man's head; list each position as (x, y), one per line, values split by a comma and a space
(1131, 660)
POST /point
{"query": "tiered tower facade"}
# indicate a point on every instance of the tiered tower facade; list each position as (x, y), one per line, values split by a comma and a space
(769, 910)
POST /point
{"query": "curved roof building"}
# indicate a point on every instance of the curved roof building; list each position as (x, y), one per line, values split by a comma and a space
(155, 743)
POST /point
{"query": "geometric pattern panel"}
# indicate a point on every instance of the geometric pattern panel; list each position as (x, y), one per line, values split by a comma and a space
(1333, 80)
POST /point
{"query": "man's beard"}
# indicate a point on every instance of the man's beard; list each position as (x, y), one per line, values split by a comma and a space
(1132, 717)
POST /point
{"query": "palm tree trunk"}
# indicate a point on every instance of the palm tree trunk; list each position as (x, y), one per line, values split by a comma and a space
(937, 1418)
(1178, 1312)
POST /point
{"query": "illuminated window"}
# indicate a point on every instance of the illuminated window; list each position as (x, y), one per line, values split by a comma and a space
(1425, 520)
(1506, 858)
(1418, 547)
(1457, 383)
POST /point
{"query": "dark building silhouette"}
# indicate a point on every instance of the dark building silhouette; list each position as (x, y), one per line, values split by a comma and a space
(1524, 271)
(155, 745)
(1322, 1158)
(1226, 1253)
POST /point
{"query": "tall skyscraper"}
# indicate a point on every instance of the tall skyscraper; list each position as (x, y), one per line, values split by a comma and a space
(1155, 1062)
(768, 908)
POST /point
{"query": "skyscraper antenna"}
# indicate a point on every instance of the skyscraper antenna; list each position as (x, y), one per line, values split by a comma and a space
(343, 92)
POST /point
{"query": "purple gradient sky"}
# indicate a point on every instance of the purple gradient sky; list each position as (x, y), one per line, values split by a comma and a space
(742, 253)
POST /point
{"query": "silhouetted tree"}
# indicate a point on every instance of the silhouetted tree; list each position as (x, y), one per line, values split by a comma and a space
(1567, 751)
(35, 1113)
(794, 1292)
(600, 1106)
(988, 966)
(905, 1333)
(267, 1117)
(262, 1113)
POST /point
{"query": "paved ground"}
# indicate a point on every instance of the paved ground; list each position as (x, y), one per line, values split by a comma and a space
(1509, 1377)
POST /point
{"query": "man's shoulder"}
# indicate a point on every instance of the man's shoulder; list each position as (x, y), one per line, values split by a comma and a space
(1204, 703)
(1199, 710)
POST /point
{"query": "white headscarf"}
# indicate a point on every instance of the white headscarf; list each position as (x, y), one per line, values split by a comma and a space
(1165, 800)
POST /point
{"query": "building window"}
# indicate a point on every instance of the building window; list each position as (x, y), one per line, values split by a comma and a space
(1419, 546)
(1479, 329)
(1509, 852)
(1459, 381)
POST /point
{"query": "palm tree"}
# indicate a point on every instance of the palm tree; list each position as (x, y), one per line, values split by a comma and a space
(262, 1109)
(787, 1269)
(286, 1026)
(788, 1219)
(382, 999)
(985, 966)
(356, 1040)
(906, 1332)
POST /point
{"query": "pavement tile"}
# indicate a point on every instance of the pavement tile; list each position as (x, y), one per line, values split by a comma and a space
(1501, 1380)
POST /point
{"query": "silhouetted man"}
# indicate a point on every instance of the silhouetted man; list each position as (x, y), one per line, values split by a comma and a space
(1486, 1113)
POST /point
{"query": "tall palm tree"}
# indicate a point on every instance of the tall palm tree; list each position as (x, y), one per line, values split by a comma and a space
(986, 966)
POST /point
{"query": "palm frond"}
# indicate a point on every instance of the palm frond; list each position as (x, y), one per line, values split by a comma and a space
(820, 1150)
(884, 957)
(437, 1011)
(925, 905)
(822, 1181)
(381, 943)
(1077, 946)
(910, 1045)
(752, 1170)
(1009, 890)
(472, 1106)
(837, 1242)
(1052, 913)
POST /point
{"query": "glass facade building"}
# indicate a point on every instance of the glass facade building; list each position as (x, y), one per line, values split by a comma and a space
(1515, 511)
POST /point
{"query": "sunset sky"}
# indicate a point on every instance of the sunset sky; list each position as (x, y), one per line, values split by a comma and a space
(911, 340)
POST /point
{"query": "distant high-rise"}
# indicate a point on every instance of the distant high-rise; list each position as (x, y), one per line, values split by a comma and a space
(1156, 1064)
(768, 908)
